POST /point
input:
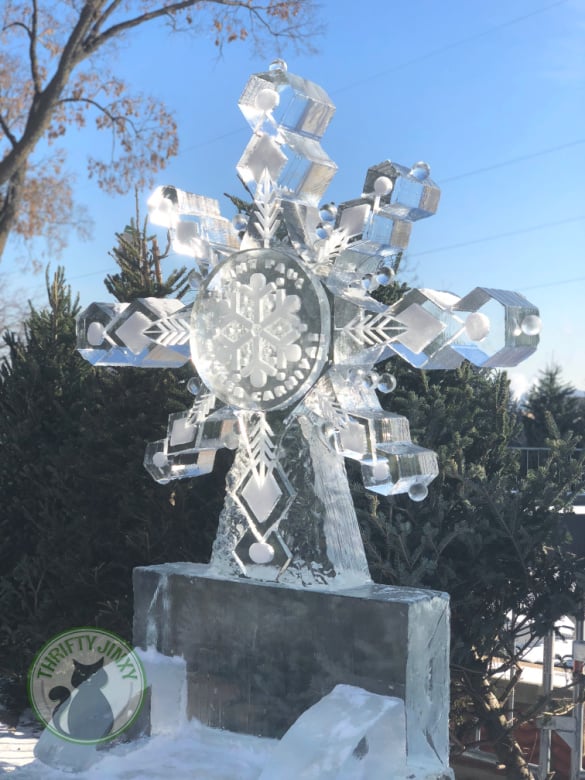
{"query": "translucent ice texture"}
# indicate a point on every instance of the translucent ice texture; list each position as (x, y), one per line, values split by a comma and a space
(298, 166)
(402, 193)
(195, 225)
(501, 327)
(132, 334)
(490, 328)
(288, 116)
(350, 734)
(284, 335)
(379, 440)
(279, 100)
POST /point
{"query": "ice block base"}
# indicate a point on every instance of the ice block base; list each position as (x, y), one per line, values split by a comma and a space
(260, 654)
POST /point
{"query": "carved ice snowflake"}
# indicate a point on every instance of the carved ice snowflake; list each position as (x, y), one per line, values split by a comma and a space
(284, 335)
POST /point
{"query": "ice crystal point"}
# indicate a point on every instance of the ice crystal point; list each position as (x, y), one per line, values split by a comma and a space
(512, 325)
(129, 334)
(164, 467)
(490, 328)
(295, 104)
(195, 224)
(403, 193)
(288, 116)
(284, 336)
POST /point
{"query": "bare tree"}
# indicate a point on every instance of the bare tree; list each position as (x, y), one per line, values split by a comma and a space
(54, 75)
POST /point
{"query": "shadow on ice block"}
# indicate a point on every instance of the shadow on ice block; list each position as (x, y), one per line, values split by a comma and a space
(258, 655)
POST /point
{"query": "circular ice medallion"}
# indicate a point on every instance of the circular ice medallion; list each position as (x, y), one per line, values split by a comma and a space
(260, 330)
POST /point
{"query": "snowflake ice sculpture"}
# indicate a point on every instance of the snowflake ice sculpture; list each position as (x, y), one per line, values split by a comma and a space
(284, 335)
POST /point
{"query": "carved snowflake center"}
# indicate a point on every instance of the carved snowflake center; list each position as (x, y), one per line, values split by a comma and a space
(260, 330)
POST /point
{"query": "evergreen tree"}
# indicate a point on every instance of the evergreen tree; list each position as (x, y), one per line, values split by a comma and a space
(79, 510)
(41, 404)
(139, 258)
(490, 538)
(552, 405)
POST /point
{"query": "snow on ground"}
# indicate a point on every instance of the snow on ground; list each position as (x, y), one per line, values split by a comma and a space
(17, 745)
(194, 753)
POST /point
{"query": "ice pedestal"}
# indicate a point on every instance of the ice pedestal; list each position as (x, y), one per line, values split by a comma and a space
(259, 654)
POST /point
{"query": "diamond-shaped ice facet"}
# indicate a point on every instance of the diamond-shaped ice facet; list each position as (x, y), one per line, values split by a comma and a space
(262, 153)
(261, 495)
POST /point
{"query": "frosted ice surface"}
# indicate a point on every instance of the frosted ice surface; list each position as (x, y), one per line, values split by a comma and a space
(430, 324)
(427, 685)
(349, 735)
(260, 330)
(362, 222)
(56, 752)
(298, 166)
(261, 154)
(167, 678)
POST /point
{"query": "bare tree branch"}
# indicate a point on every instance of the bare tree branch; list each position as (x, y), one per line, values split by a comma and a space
(34, 64)
(6, 130)
(40, 109)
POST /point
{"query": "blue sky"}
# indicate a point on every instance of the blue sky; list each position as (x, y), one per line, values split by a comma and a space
(492, 96)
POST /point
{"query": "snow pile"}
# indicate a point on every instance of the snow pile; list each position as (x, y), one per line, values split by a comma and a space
(195, 752)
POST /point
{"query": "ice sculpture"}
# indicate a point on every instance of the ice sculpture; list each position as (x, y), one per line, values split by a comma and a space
(284, 335)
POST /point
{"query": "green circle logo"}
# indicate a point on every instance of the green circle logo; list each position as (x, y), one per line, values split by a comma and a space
(86, 685)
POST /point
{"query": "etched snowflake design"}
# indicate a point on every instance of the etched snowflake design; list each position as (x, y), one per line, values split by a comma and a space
(258, 330)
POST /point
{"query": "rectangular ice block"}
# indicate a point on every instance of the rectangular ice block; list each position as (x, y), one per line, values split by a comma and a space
(260, 654)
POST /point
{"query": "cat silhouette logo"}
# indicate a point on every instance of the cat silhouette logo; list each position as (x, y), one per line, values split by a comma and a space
(86, 685)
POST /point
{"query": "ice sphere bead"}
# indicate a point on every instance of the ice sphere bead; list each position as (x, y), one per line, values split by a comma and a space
(387, 383)
(240, 222)
(328, 212)
(477, 326)
(369, 282)
(418, 491)
(420, 171)
(531, 325)
(383, 185)
(160, 459)
(384, 276)
(261, 552)
(95, 334)
(278, 65)
(267, 99)
(193, 386)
